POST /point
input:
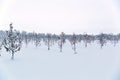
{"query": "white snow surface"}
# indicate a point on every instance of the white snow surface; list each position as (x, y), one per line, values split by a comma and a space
(90, 63)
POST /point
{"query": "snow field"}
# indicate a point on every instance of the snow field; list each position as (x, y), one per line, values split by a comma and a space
(90, 63)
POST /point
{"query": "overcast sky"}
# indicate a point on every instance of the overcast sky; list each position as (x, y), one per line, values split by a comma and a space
(55, 16)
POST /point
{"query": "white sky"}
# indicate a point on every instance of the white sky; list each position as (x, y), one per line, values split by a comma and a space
(55, 16)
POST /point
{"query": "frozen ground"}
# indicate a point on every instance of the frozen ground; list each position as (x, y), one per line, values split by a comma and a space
(91, 63)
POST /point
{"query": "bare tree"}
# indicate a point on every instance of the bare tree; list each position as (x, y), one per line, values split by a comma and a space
(12, 42)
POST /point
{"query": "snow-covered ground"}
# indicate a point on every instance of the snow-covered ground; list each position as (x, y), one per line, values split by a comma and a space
(90, 63)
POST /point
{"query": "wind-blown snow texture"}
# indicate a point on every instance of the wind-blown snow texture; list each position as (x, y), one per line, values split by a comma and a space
(90, 63)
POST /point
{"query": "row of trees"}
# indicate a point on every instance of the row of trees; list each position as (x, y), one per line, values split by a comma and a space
(12, 40)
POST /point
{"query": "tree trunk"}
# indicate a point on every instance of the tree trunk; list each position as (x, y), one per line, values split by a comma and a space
(48, 46)
(12, 55)
(85, 44)
(61, 48)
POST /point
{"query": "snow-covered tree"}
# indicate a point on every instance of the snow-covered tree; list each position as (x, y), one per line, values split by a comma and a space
(0, 44)
(102, 39)
(37, 40)
(48, 40)
(87, 39)
(26, 39)
(115, 40)
(74, 42)
(55, 39)
(61, 41)
(0, 47)
(12, 42)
